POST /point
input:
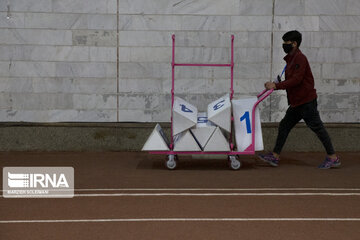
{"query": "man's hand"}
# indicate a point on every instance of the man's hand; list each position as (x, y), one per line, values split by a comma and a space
(270, 85)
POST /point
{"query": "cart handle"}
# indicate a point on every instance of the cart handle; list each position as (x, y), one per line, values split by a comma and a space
(264, 94)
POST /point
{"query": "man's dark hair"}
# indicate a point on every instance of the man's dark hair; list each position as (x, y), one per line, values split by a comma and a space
(293, 36)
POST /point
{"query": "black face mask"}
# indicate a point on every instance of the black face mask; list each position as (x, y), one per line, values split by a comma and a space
(287, 47)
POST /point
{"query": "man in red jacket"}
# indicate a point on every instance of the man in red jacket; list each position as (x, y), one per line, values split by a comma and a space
(302, 98)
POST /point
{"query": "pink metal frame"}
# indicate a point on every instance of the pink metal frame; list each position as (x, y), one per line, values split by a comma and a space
(264, 94)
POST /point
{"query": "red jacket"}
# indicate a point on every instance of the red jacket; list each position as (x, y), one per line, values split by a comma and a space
(299, 81)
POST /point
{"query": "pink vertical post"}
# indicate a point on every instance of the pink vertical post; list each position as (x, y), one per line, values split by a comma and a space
(232, 88)
(262, 97)
(232, 67)
(172, 88)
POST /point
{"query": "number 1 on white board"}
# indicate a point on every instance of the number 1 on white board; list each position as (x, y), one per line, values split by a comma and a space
(246, 117)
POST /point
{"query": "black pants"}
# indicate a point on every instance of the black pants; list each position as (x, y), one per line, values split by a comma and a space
(310, 114)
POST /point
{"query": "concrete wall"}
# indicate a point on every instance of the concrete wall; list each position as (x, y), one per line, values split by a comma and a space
(109, 60)
(58, 60)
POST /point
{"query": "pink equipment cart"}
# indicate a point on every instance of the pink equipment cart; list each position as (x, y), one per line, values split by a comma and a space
(234, 162)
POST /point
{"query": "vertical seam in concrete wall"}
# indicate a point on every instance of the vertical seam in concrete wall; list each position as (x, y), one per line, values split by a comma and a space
(271, 50)
(117, 61)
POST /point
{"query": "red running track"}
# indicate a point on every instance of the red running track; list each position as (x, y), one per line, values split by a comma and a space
(132, 196)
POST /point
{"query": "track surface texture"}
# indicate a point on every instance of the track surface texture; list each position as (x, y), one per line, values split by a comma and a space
(131, 195)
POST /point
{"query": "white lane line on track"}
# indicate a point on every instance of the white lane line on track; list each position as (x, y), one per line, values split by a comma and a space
(211, 194)
(184, 220)
(190, 195)
(209, 189)
(220, 189)
(196, 194)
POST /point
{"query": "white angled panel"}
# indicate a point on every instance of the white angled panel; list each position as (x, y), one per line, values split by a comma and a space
(203, 129)
(185, 142)
(242, 111)
(202, 135)
(157, 141)
(184, 115)
(219, 112)
(217, 142)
